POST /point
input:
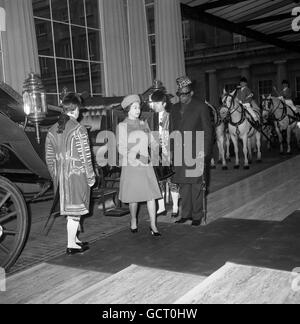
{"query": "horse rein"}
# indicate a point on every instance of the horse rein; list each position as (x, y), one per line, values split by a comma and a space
(271, 109)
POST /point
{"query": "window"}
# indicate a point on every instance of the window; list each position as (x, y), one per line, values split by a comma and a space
(150, 15)
(69, 46)
(186, 30)
(238, 39)
(265, 87)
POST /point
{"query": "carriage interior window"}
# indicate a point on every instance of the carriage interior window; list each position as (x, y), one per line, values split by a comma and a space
(69, 46)
(265, 87)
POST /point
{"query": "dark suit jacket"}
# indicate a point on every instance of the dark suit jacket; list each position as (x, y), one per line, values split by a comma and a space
(194, 117)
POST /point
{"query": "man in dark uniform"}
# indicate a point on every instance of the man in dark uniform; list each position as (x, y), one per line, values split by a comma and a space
(191, 115)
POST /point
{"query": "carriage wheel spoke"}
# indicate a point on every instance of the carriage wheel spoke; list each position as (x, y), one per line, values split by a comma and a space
(9, 232)
(4, 199)
(7, 217)
(4, 249)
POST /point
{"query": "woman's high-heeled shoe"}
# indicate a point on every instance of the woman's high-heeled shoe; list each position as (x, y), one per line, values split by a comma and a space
(154, 233)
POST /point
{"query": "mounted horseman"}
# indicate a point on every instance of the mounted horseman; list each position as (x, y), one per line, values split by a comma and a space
(242, 125)
(282, 111)
(246, 97)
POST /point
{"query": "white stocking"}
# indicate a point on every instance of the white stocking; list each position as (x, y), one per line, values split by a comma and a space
(175, 199)
(72, 228)
(161, 206)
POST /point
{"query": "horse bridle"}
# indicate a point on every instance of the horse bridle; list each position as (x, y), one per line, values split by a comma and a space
(271, 109)
(231, 112)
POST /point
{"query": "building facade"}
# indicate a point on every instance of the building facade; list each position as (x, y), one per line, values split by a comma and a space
(116, 47)
(217, 59)
(103, 47)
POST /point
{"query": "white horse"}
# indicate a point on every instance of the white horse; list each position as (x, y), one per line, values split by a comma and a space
(222, 135)
(241, 128)
(283, 117)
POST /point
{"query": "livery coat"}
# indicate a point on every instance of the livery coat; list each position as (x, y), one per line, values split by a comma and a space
(68, 158)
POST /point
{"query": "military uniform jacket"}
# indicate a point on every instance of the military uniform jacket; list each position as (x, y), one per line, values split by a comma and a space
(68, 159)
(194, 117)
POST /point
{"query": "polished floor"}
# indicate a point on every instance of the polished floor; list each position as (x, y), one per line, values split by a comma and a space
(41, 248)
(246, 254)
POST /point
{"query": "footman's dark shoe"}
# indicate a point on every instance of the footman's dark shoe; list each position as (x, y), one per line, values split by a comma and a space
(175, 215)
(196, 222)
(182, 221)
(77, 251)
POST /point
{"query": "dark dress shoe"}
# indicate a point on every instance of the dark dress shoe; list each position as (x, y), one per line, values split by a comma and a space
(175, 215)
(196, 222)
(164, 213)
(156, 234)
(77, 251)
(182, 221)
(134, 231)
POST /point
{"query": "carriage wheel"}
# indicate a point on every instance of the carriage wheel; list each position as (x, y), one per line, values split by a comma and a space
(14, 223)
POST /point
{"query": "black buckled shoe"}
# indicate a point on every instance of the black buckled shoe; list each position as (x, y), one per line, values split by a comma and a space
(196, 223)
(175, 215)
(71, 251)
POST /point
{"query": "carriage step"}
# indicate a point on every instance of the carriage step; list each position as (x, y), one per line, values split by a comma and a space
(99, 193)
(138, 285)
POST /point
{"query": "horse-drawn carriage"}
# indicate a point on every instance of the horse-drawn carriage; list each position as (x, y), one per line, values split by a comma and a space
(22, 162)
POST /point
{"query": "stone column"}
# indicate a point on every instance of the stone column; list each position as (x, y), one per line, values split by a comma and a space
(139, 46)
(20, 52)
(169, 43)
(282, 73)
(115, 48)
(213, 88)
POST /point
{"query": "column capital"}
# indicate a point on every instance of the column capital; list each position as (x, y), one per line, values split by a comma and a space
(280, 62)
(211, 71)
(246, 66)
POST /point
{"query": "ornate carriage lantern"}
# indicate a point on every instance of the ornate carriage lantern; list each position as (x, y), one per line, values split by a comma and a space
(35, 105)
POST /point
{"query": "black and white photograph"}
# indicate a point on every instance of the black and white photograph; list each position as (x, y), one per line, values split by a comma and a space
(149, 155)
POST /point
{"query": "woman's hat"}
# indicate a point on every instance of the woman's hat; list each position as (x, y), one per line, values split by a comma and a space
(129, 100)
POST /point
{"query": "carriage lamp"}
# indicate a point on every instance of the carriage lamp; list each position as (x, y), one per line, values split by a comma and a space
(34, 99)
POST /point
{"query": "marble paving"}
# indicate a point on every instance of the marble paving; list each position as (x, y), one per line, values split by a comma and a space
(239, 284)
(138, 285)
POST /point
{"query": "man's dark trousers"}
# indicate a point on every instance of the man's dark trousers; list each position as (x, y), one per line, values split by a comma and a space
(192, 201)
